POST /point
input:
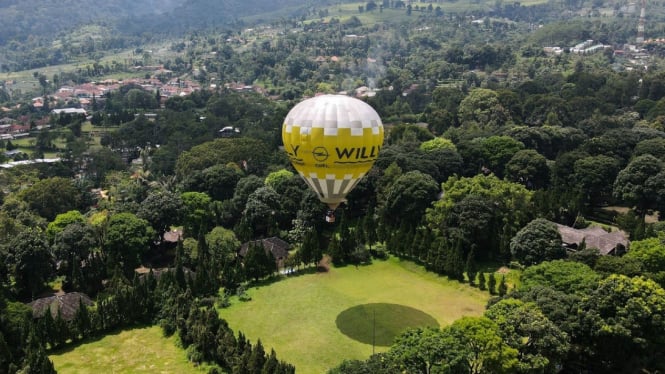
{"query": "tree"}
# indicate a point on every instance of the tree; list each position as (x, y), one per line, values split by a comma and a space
(482, 284)
(245, 187)
(471, 266)
(408, 197)
(421, 351)
(263, 211)
(651, 254)
(36, 360)
(137, 98)
(594, 176)
(497, 151)
(472, 223)
(310, 247)
(222, 244)
(509, 202)
(278, 179)
(565, 276)
(219, 181)
(491, 284)
(488, 155)
(257, 261)
(127, 238)
(503, 288)
(30, 261)
(437, 144)
(196, 212)
(250, 154)
(632, 184)
(370, 227)
(538, 241)
(624, 323)
(529, 168)
(51, 196)
(481, 109)
(162, 209)
(335, 250)
(63, 220)
(654, 147)
(477, 347)
(541, 345)
(71, 246)
(101, 161)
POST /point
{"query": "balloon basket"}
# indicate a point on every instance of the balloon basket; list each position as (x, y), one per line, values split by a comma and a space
(330, 216)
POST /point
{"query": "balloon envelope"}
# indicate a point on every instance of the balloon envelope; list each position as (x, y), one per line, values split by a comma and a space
(332, 141)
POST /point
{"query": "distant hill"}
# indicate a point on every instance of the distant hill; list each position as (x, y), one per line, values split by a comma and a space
(21, 19)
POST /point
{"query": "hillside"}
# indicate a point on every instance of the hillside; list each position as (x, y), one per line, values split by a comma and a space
(22, 19)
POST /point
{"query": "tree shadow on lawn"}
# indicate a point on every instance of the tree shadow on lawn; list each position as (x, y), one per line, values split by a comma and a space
(380, 323)
(274, 278)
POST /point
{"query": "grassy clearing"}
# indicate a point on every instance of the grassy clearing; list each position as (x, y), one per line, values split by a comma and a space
(299, 316)
(140, 350)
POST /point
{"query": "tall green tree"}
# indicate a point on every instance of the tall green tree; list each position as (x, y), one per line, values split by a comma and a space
(536, 242)
(30, 261)
(127, 238)
(638, 183)
(52, 196)
(623, 324)
(408, 198)
(477, 347)
(162, 209)
(529, 168)
(541, 345)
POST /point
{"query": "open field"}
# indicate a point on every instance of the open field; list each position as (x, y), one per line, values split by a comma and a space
(302, 317)
(140, 350)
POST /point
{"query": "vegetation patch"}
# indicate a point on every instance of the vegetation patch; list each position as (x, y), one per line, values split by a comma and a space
(140, 350)
(298, 316)
(380, 323)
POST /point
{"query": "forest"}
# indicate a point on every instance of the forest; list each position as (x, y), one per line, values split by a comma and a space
(492, 146)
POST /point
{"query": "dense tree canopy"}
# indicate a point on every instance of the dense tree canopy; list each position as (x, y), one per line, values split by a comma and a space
(565, 276)
(127, 238)
(52, 196)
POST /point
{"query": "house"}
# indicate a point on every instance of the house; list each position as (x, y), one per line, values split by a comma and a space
(13, 153)
(67, 304)
(229, 132)
(608, 243)
(158, 272)
(274, 245)
(173, 236)
(70, 111)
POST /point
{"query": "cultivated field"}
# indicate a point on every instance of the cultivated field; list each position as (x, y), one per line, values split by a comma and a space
(140, 350)
(315, 321)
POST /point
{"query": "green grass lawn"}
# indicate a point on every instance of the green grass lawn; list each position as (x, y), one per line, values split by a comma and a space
(140, 350)
(302, 317)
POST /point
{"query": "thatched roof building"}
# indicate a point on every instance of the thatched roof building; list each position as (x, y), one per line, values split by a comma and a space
(67, 304)
(608, 243)
(275, 246)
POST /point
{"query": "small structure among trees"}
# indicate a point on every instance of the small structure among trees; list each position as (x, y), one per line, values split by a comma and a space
(66, 305)
(608, 243)
(278, 248)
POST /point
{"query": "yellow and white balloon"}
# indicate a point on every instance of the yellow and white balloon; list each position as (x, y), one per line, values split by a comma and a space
(332, 141)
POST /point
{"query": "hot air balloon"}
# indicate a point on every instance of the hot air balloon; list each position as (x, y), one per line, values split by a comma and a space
(332, 141)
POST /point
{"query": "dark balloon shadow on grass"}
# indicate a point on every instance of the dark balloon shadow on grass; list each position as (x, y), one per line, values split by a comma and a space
(380, 323)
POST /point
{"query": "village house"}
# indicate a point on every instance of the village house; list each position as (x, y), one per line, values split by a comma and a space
(67, 305)
(613, 243)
